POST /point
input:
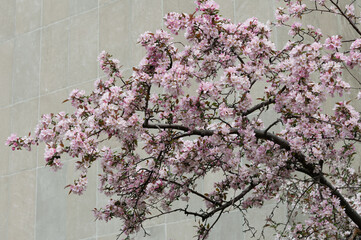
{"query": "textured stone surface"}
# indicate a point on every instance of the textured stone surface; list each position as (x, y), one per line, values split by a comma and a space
(7, 14)
(155, 232)
(186, 6)
(26, 66)
(55, 10)
(51, 205)
(79, 6)
(83, 47)
(181, 230)
(146, 16)
(22, 204)
(263, 10)
(115, 31)
(230, 227)
(6, 66)
(108, 237)
(5, 151)
(54, 55)
(4, 208)
(28, 15)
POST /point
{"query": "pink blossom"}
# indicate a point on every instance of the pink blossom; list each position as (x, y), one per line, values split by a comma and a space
(333, 42)
(350, 10)
(11, 139)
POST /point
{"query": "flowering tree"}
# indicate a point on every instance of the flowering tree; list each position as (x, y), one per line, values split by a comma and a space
(187, 112)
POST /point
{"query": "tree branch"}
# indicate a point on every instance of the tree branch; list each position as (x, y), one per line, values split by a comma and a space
(348, 19)
(192, 191)
(350, 212)
(308, 168)
(258, 106)
(230, 202)
(262, 104)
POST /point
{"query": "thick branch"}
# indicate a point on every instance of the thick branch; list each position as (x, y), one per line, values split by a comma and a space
(258, 106)
(185, 210)
(190, 132)
(284, 144)
(308, 168)
(146, 124)
(260, 134)
(350, 212)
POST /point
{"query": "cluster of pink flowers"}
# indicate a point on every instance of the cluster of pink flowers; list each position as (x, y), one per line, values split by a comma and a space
(18, 143)
(189, 111)
(333, 42)
(79, 185)
(350, 10)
